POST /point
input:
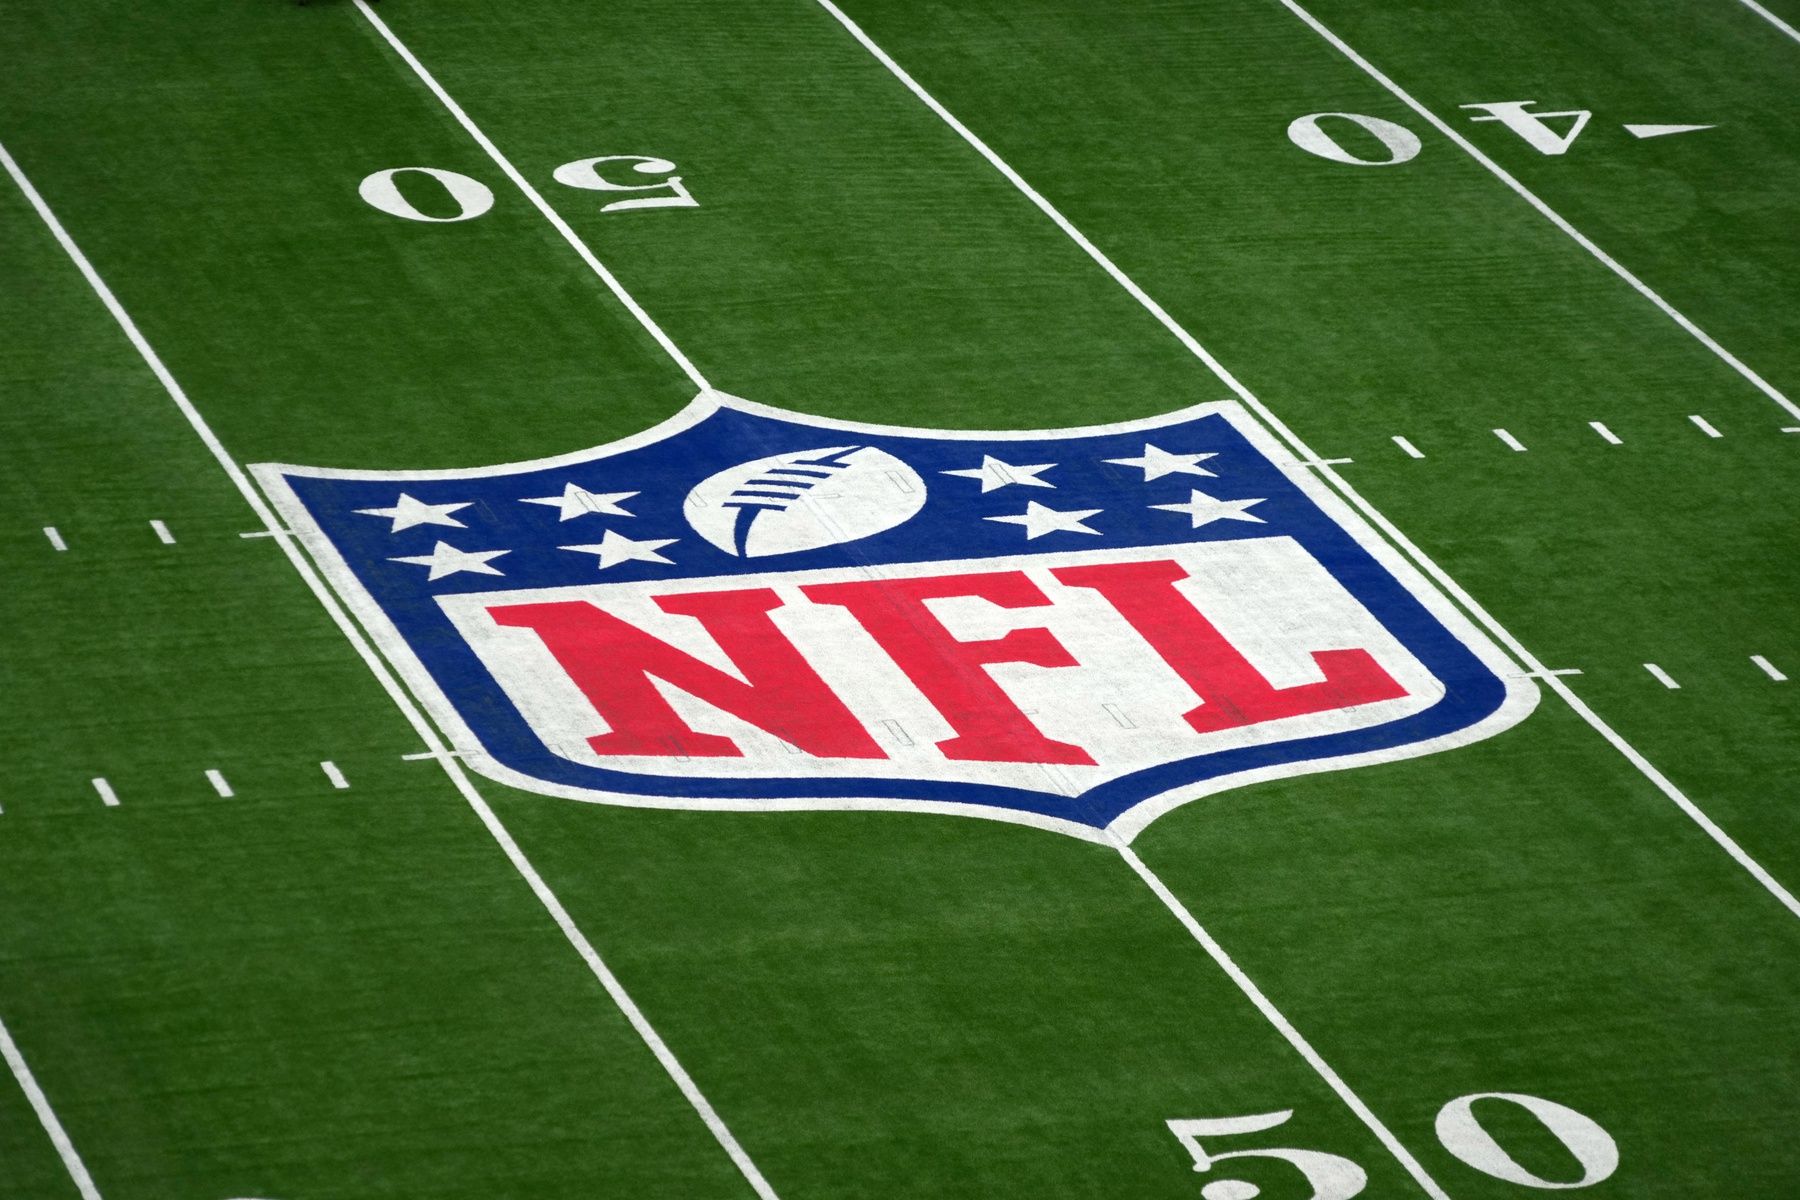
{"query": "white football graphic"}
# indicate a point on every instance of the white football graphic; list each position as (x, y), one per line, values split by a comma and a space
(803, 500)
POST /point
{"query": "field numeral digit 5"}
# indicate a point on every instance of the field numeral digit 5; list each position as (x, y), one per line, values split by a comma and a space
(471, 198)
(1333, 1177)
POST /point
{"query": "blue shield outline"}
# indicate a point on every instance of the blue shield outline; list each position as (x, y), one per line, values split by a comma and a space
(327, 510)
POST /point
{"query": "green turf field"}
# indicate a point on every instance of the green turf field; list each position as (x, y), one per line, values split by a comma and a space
(263, 935)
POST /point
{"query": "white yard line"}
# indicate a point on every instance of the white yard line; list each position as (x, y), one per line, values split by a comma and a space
(1663, 677)
(336, 776)
(162, 533)
(1275, 1017)
(1768, 668)
(56, 538)
(402, 699)
(1411, 450)
(1771, 18)
(1405, 544)
(1511, 442)
(1612, 438)
(219, 785)
(105, 791)
(40, 1104)
(1705, 426)
(1497, 171)
(543, 206)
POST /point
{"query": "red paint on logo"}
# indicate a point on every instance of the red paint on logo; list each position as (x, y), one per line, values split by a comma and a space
(612, 662)
(1234, 691)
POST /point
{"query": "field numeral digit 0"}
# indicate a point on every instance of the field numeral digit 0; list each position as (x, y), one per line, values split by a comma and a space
(453, 196)
(1333, 1177)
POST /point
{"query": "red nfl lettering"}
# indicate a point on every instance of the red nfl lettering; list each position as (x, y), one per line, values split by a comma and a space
(612, 662)
(989, 726)
(1235, 692)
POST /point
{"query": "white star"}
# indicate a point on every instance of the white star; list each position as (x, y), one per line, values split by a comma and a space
(996, 474)
(1039, 520)
(578, 502)
(1156, 463)
(614, 548)
(446, 559)
(1204, 509)
(408, 512)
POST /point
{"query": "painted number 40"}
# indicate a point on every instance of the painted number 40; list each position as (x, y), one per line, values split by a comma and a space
(1334, 1177)
(623, 176)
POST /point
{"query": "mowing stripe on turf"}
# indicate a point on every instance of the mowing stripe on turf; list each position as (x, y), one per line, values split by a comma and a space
(402, 699)
(1771, 18)
(550, 214)
(1532, 666)
(40, 1104)
(1643, 289)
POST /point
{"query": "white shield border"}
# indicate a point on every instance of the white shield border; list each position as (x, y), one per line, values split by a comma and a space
(1521, 692)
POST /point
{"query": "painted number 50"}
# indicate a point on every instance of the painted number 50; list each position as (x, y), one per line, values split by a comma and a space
(638, 180)
(1333, 1177)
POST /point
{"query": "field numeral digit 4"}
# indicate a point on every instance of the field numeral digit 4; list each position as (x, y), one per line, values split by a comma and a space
(1333, 1177)
(472, 198)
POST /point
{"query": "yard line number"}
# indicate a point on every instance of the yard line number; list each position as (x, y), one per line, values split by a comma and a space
(450, 196)
(1359, 140)
(1334, 1177)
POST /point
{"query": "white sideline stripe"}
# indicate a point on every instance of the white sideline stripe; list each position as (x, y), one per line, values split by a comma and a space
(1705, 426)
(1669, 310)
(1387, 527)
(336, 776)
(1606, 433)
(1769, 668)
(1512, 443)
(1771, 18)
(1276, 1018)
(219, 785)
(108, 797)
(550, 214)
(1661, 676)
(162, 533)
(1382, 1133)
(40, 1104)
(407, 705)
(1412, 451)
(1790, 429)
(56, 539)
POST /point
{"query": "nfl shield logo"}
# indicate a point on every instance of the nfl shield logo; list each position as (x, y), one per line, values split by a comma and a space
(746, 608)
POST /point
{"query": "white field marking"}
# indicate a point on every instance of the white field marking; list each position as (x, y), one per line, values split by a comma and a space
(425, 755)
(1511, 442)
(1412, 451)
(1655, 131)
(408, 706)
(1611, 437)
(1705, 426)
(1355, 498)
(334, 775)
(1669, 310)
(40, 1104)
(1275, 1017)
(1106, 264)
(1552, 674)
(260, 533)
(543, 206)
(1771, 18)
(1790, 429)
(108, 797)
(1661, 676)
(1769, 668)
(162, 533)
(1321, 462)
(219, 785)
(56, 539)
